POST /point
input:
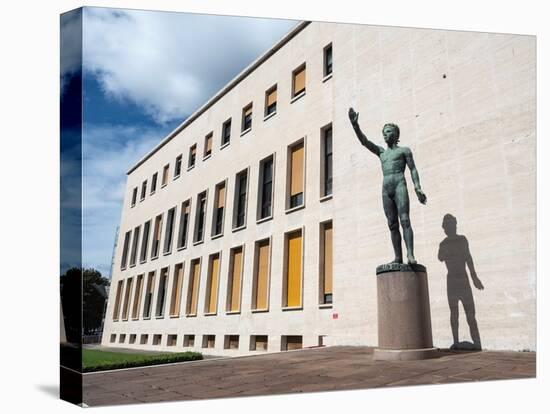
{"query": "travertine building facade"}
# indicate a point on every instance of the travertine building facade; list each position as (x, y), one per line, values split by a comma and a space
(257, 224)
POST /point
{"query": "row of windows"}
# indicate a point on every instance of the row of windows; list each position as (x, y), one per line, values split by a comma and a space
(270, 109)
(131, 291)
(256, 342)
(264, 210)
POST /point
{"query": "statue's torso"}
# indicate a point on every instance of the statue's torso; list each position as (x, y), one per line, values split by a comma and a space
(393, 164)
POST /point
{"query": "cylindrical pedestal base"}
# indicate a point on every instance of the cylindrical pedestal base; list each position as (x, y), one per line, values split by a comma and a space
(404, 321)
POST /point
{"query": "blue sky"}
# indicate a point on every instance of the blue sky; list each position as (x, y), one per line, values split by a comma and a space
(143, 74)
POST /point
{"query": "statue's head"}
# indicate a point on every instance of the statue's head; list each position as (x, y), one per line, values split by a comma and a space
(391, 134)
(449, 224)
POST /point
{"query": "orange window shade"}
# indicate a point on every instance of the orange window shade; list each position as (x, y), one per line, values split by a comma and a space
(262, 275)
(248, 110)
(137, 297)
(186, 208)
(195, 279)
(299, 80)
(176, 291)
(297, 169)
(214, 276)
(221, 196)
(208, 143)
(236, 280)
(118, 298)
(127, 298)
(193, 149)
(327, 268)
(158, 227)
(294, 269)
(272, 97)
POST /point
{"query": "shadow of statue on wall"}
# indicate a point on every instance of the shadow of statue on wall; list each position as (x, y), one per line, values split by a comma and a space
(455, 252)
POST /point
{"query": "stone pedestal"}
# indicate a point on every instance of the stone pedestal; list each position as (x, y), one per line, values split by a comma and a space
(404, 321)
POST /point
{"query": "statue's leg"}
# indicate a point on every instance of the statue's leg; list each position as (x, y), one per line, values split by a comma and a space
(390, 209)
(402, 202)
(470, 310)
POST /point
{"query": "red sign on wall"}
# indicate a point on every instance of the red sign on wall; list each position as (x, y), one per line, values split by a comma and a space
(334, 316)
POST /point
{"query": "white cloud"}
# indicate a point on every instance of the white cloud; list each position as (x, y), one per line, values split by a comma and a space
(108, 152)
(171, 63)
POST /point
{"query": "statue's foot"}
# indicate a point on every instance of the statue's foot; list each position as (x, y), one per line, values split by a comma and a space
(411, 260)
(397, 260)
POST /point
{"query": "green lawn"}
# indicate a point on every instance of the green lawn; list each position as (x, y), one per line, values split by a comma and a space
(96, 360)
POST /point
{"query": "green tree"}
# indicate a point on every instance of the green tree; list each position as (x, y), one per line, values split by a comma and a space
(90, 298)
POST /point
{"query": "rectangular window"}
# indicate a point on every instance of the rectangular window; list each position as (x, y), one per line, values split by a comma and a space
(231, 342)
(161, 297)
(265, 189)
(148, 300)
(226, 132)
(154, 182)
(125, 248)
(184, 224)
(177, 166)
(212, 282)
(326, 161)
(188, 340)
(325, 263)
(134, 196)
(218, 214)
(165, 172)
(177, 284)
(127, 296)
(247, 118)
(208, 145)
(116, 311)
(327, 60)
(157, 339)
(208, 341)
(292, 283)
(260, 285)
(271, 101)
(171, 340)
(137, 297)
(143, 190)
(200, 217)
(258, 342)
(156, 237)
(132, 339)
(135, 241)
(240, 200)
(192, 156)
(143, 339)
(299, 81)
(234, 280)
(193, 287)
(295, 170)
(145, 242)
(122, 338)
(290, 342)
(169, 231)
(113, 338)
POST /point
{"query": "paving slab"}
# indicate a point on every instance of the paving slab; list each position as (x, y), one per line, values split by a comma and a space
(307, 370)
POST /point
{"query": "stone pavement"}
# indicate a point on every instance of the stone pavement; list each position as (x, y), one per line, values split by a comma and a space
(308, 370)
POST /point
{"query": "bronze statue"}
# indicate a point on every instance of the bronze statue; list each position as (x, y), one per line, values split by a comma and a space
(395, 196)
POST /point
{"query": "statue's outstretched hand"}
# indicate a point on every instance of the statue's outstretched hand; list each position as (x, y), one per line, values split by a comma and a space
(421, 196)
(353, 116)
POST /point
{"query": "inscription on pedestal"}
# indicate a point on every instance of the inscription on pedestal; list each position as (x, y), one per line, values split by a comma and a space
(400, 267)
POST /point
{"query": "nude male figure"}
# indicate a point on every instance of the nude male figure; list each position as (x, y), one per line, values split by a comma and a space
(395, 196)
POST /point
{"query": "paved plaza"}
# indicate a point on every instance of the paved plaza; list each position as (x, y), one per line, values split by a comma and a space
(308, 370)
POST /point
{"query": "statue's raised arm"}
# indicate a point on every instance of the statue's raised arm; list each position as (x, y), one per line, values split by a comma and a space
(354, 119)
